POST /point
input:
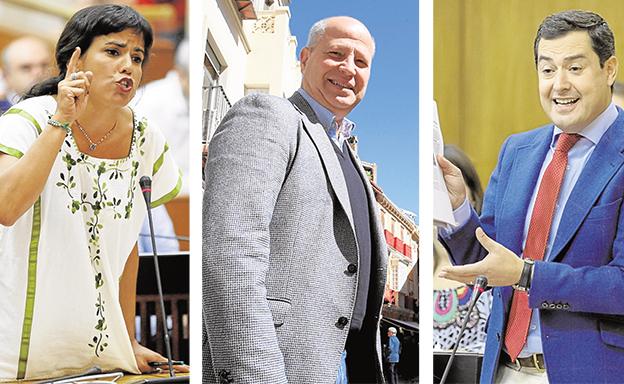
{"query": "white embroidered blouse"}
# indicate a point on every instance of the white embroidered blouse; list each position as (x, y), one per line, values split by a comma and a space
(63, 259)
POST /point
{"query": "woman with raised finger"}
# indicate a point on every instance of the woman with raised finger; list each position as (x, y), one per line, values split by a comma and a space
(71, 156)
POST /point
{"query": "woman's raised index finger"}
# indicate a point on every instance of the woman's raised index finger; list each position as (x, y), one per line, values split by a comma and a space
(73, 62)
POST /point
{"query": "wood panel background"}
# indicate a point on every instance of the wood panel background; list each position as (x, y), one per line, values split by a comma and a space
(485, 80)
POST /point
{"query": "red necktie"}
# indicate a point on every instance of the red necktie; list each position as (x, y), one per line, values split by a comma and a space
(537, 239)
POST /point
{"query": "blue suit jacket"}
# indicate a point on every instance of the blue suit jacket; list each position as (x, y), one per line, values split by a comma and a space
(580, 292)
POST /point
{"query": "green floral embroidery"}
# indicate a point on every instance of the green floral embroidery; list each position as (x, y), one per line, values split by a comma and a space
(93, 203)
(99, 341)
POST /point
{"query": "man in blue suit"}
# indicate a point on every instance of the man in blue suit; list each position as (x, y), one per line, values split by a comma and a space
(551, 234)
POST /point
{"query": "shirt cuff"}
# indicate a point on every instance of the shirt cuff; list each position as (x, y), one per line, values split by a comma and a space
(462, 214)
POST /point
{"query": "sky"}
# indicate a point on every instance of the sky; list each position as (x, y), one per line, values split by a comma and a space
(387, 118)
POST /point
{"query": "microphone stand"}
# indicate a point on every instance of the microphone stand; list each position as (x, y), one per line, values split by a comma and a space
(160, 297)
(479, 287)
(146, 188)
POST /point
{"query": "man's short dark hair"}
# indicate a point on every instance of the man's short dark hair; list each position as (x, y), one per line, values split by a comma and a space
(557, 25)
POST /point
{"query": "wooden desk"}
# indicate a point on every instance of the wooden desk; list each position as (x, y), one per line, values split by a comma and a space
(129, 379)
(126, 379)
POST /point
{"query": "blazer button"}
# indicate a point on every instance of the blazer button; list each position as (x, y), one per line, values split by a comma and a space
(552, 306)
(545, 305)
(352, 268)
(566, 306)
(342, 321)
(225, 377)
(559, 306)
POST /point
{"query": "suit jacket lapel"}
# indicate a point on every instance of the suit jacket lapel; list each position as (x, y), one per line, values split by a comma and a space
(379, 253)
(322, 142)
(525, 170)
(372, 202)
(600, 168)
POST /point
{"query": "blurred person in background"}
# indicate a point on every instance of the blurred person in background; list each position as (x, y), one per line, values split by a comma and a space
(172, 114)
(451, 298)
(394, 351)
(25, 62)
(167, 101)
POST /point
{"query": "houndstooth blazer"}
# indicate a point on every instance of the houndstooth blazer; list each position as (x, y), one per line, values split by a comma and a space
(277, 239)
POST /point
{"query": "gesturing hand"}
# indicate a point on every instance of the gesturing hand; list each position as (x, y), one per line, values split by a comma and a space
(501, 266)
(73, 91)
(454, 181)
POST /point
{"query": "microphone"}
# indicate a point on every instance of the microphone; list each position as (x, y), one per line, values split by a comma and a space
(478, 288)
(146, 188)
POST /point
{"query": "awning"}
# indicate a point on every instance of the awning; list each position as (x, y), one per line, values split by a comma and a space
(410, 326)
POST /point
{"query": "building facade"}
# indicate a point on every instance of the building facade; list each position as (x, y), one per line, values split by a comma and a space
(248, 48)
(401, 233)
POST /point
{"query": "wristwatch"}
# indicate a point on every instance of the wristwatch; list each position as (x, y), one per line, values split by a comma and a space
(524, 284)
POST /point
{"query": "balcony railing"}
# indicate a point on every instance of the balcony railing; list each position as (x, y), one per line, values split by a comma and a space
(218, 105)
(398, 244)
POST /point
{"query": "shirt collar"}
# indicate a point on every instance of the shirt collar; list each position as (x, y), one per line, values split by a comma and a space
(328, 119)
(594, 131)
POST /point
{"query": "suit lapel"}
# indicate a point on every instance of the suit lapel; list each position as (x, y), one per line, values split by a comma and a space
(525, 170)
(600, 168)
(378, 241)
(326, 152)
(370, 194)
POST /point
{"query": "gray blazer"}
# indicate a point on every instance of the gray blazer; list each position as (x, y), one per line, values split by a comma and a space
(277, 239)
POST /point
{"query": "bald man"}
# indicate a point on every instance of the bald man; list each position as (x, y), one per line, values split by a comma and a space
(294, 263)
(25, 62)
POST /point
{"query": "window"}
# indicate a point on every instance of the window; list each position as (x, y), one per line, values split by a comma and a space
(214, 100)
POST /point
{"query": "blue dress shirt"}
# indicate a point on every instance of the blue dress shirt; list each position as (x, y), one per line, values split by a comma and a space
(338, 134)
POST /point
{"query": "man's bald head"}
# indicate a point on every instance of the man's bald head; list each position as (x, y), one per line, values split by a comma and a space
(25, 62)
(320, 27)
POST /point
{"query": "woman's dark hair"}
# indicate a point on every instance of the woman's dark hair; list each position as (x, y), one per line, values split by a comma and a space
(80, 31)
(471, 178)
